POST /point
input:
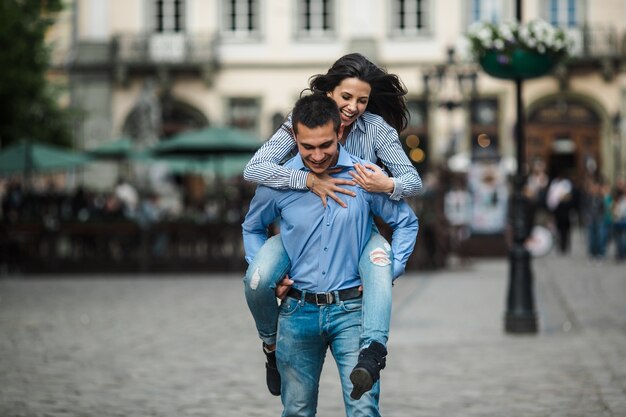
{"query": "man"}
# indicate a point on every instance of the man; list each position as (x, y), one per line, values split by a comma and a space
(323, 307)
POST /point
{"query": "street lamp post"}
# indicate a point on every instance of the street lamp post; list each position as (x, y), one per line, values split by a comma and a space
(619, 126)
(520, 314)
(450, 86)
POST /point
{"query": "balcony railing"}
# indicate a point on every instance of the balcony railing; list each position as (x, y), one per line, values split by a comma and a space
(176, 51)
(158, 48)
(598, 42)
(597, 48)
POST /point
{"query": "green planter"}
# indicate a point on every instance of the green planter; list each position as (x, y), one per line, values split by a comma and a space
(520, 64)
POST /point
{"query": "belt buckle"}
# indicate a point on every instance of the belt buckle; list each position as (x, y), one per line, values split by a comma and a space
(325, 297)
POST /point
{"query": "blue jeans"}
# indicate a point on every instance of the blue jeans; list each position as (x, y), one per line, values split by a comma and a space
(597, 234)
(306, 331)
(272, 263)
(620, 239)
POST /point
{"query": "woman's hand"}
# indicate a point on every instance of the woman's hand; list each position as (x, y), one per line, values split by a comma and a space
(324, 186)
(371, 178)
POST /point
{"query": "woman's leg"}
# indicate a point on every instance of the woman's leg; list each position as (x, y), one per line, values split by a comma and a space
(269, 266)
(376, 270)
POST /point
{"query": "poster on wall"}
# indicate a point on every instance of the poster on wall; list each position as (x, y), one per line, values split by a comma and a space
(487, 183)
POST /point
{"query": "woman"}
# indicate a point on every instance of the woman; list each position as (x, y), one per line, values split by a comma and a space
(373, 112)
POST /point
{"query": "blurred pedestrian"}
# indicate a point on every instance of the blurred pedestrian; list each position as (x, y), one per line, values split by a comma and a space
(559, 201)
(619, 219)
(535, 191)
(127, 194)
(458, 212)
(594, 212)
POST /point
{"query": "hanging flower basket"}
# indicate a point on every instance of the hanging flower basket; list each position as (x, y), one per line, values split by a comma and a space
(518, 64)
(518, 51)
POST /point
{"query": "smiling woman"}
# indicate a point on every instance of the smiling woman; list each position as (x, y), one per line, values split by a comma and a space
(351, 96)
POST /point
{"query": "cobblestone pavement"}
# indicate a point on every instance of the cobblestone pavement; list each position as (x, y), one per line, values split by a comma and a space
(182, 346)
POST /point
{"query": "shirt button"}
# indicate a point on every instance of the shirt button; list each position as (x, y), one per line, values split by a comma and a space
(325, 249)
(323, 272)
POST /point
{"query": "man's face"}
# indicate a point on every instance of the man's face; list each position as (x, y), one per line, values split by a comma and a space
(318, 147)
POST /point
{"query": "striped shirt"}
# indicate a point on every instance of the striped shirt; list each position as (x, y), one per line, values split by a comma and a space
(370, 138)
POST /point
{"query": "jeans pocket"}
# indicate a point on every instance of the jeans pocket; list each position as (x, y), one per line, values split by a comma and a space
(352, 305)
(289, 306)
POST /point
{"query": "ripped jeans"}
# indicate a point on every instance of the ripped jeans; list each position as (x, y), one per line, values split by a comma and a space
(271, 264)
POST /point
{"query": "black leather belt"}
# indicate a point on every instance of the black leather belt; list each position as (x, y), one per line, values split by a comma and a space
(321, 298)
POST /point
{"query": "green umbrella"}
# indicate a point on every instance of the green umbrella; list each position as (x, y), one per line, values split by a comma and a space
(224, 166)
(208, 141)
(119, 149)
(27, 156)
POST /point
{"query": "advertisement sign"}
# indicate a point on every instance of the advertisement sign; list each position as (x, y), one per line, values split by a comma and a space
(487, 183)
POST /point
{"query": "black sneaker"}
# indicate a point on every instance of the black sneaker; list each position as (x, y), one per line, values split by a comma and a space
(367, 370)
(272, 376)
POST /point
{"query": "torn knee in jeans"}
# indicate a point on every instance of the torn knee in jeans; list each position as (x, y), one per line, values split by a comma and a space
(255, 279)
(380, 257)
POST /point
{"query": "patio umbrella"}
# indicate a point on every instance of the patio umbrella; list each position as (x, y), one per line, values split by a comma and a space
(207, 142)
(119, 149)
(27, 156)
(223, 151)
(122, 152)
(224, 166)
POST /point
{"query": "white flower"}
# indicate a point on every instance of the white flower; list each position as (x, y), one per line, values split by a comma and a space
(536, 35)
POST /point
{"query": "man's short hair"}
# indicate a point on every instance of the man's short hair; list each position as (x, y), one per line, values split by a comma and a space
(314, 111)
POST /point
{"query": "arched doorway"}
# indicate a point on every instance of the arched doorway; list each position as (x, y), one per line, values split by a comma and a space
(159, 117)
(565, 133)
(175, 117)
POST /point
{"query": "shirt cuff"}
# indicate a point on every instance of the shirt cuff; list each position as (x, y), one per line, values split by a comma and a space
(297, 181)
(398, 270)
(396, 194)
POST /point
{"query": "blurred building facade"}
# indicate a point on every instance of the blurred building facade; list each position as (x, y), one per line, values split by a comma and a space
(243, 63)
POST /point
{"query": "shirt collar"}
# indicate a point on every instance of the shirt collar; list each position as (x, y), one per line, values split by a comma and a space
(344, 161)
(359, 123)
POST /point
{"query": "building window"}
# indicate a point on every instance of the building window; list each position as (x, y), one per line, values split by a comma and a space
(485, 11)
(243, 113)
(169, 15)
(410, 17)
(316, 18)
(240, 18)
(563, 13)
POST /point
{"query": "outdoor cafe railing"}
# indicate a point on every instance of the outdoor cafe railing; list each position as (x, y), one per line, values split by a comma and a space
(120, 246)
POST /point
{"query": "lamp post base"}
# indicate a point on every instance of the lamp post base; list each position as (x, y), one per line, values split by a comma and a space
(521, 324)
(520, 316)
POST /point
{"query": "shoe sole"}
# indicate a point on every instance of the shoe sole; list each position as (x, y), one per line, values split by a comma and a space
(361, 382)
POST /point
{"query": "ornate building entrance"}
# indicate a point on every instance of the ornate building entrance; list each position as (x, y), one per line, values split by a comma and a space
(565, 133)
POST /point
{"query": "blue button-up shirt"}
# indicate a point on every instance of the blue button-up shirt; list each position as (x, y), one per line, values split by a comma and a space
(325, 244)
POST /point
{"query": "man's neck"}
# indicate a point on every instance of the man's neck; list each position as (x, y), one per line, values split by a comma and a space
(335, 158)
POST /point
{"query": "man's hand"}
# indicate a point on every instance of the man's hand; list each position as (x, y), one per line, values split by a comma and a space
(325, 186)
(371, 178)
(283, 287)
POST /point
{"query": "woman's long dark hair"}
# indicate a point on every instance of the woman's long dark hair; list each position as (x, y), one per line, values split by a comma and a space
(387, 98)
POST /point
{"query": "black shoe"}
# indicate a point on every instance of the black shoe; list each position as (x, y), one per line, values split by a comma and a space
(367, 370)
(272, 376)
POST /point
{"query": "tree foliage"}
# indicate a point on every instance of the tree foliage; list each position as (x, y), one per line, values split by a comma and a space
(28, 103)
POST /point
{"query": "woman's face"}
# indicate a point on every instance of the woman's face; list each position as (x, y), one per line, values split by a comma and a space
(351, 96)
